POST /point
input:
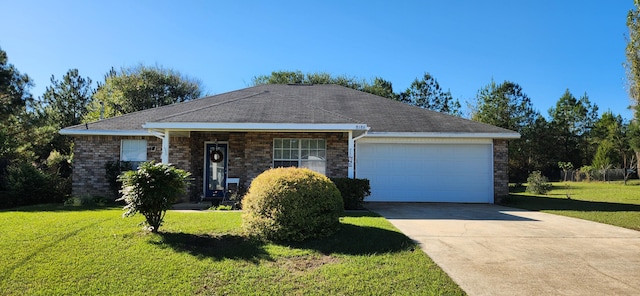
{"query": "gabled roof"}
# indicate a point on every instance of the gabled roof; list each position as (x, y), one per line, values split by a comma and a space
(302, 105)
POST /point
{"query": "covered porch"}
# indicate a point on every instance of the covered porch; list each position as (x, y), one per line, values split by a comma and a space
(215, 155)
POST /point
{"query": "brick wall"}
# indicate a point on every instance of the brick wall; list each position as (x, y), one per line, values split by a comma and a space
(251, 153)
(500, 170)
(179, 153)
(90, 156)
(258, 150)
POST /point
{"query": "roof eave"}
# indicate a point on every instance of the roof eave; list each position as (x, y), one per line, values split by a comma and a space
(204, 126)
(513, 135)
(149, 128)
(89, 132)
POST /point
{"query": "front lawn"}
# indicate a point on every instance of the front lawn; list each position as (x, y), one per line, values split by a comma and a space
(611, 203)
(52, 250)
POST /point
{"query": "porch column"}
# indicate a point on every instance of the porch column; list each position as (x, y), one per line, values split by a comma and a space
(350, 172)
(165, 147)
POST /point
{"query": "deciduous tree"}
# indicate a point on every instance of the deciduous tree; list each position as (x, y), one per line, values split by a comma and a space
(381, 87)
(378, 86)
(138, 88)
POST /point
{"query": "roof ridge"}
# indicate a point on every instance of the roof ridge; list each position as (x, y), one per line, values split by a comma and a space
(212, 105)
(329, 111)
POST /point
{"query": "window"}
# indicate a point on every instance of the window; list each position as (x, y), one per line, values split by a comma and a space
(134, 151)
(306, 153)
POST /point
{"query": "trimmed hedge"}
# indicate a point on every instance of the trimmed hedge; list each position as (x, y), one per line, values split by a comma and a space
(353, 191)
(291, 204)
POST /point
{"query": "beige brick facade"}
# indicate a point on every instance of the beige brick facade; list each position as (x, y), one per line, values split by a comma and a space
(91, 155)
(500, 170)
(249, 154)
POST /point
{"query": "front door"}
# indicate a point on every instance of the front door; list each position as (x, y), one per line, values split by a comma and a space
(215, 170)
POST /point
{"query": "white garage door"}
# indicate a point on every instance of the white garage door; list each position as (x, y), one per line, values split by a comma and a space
(427, 172)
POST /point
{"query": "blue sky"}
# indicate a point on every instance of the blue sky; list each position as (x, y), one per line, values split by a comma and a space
(545, 46)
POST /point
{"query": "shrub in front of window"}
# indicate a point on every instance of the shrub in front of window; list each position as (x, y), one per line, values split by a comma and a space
(113, 169)
(151, 189)
(291, 204)
(353, 191)
(538, 183)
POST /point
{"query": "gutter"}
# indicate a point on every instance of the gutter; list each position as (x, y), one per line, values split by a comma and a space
(68, 132)
(443, 135)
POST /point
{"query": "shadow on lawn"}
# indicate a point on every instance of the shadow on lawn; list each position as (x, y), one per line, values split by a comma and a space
(538, 203)
(350, 240)
(554, 186)
(220, 247)
(359, 240)
(61, 208)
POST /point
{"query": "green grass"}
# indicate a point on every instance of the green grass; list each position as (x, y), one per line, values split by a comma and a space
(52, 250)
(611, 203)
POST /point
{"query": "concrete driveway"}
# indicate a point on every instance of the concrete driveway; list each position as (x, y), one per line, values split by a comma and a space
(494, 250)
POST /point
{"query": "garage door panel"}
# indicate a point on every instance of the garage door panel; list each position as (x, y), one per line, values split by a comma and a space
(427, 172)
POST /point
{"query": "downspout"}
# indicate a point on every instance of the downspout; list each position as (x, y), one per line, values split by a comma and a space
(351, 168)
(350, 171)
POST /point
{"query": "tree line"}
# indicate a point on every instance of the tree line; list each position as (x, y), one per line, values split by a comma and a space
(35, 158)
(424, 92)
(572, 133)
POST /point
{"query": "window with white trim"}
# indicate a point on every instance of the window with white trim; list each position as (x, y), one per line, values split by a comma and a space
(134, 151)
(305, 153)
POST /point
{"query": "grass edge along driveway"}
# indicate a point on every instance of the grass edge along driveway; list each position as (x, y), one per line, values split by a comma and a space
(611, 203)
(50, 250)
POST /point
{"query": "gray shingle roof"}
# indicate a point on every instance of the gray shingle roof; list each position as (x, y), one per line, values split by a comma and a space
(278, 103)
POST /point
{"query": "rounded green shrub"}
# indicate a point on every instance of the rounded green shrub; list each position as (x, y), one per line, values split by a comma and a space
(291, 204)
